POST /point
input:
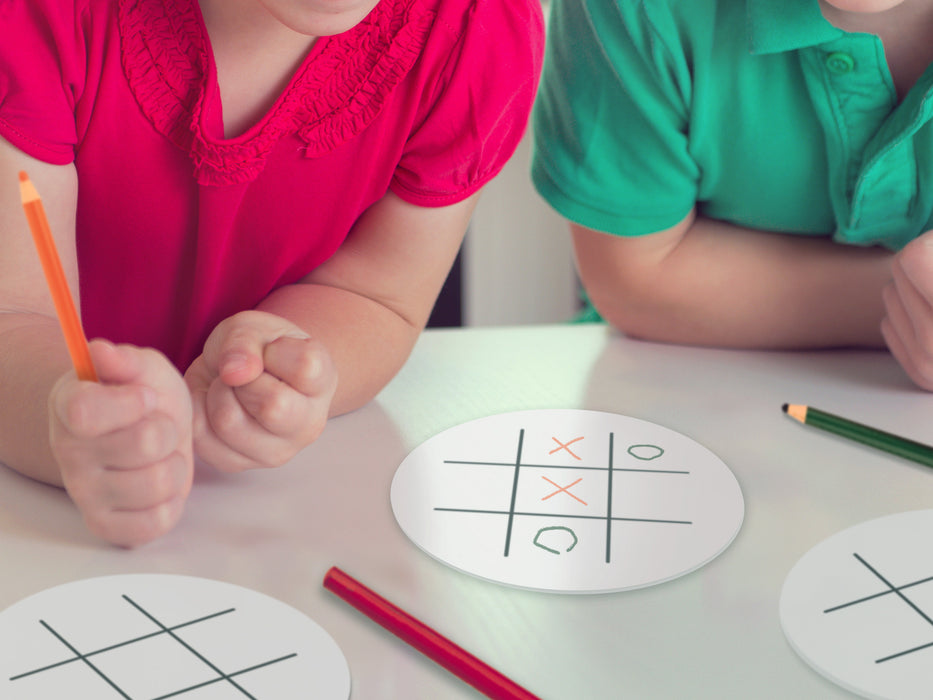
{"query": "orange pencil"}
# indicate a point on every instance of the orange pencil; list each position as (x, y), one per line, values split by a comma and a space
(55, 276)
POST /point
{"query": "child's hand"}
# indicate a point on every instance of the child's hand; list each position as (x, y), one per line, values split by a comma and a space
(261, 391)
(124, 445)
(908, 300)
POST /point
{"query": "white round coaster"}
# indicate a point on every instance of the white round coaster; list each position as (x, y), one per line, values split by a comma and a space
(567, 500)
(858, 607)
(154, 636)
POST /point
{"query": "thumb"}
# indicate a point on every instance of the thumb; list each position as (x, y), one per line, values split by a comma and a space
(234, 352)
(115, 364)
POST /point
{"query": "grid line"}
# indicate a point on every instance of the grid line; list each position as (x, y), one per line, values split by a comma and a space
(230, 675)
(163, 629)
(576, 516)
(518, 466)
(878, 595)
(896, 590)
(609, 518)
(187, 646)
(84, 659)
(565, 466)
(121, 644)
(609, 504)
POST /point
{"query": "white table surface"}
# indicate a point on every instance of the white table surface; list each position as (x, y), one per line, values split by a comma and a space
(713, 633)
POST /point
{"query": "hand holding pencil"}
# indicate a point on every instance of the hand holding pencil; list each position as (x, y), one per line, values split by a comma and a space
(123, 444)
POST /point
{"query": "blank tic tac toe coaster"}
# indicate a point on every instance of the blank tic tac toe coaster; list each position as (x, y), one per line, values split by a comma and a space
(858, 607)
(147, 637)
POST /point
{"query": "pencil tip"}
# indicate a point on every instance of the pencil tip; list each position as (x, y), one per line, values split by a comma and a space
(784, 408)
(23, 177)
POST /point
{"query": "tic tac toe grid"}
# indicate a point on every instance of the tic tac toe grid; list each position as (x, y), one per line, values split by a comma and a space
(901, 592)
(643, 452)
(92, 659)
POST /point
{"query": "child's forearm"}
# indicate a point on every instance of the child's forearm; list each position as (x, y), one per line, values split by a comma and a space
(367, 341)
(715, 284)
(370, 300)
(32, 357)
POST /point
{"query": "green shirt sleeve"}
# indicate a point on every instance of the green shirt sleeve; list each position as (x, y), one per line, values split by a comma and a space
(611, 146)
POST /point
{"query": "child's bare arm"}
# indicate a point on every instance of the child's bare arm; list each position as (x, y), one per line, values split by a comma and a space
(122, 448)
(372, 299)
(706, 282)
(326, 345)
(32, 350)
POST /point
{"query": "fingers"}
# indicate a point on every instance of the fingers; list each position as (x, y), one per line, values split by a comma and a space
(132, 527)
(124, 445)
(267, 420)
(262, 424)
(899, 350)
(234, 351)
(914, 265)
(908, 324)
(268, 402)
(131, 443)
(89, 409)
(231, 441)
(116, 364)
(120, 490)
(913, 313)
(898, 334)
(131, 506)
(302, 363)
(134, 384)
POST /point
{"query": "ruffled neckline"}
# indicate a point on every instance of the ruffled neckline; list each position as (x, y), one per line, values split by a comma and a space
(339, 89)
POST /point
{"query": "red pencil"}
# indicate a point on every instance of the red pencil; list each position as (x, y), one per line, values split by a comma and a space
(436, 647)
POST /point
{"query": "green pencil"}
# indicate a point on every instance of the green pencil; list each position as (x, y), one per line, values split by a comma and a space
(894, 444)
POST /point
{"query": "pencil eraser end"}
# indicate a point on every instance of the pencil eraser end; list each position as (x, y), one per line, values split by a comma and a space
(784, 408)
(23, 177)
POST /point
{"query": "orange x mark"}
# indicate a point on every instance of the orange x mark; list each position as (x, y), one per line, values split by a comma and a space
(565, 446)
(563, 489)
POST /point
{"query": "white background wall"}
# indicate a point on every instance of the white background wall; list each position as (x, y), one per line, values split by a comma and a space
(517, 257)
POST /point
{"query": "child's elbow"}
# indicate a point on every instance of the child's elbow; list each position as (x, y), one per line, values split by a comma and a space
(632, 309)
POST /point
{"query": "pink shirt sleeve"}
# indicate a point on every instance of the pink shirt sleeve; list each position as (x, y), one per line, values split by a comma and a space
(41, 76)
(481, 106)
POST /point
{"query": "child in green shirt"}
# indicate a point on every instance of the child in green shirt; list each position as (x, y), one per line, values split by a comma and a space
(749, 138)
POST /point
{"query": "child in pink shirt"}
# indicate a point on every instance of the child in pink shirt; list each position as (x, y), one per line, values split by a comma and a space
(257, 202)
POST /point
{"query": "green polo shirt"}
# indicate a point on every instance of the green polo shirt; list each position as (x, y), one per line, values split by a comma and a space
(759, 112)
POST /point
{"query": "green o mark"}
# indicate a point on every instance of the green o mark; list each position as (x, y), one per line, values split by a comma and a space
(645, 452)
(555, 527)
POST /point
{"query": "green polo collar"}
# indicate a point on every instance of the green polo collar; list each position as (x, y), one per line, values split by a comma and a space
(775, 26)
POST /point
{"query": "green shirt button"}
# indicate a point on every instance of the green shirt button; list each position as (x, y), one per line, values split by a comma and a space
(840, 63)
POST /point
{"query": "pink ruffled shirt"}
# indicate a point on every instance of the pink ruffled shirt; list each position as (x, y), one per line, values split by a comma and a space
(178, 227)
